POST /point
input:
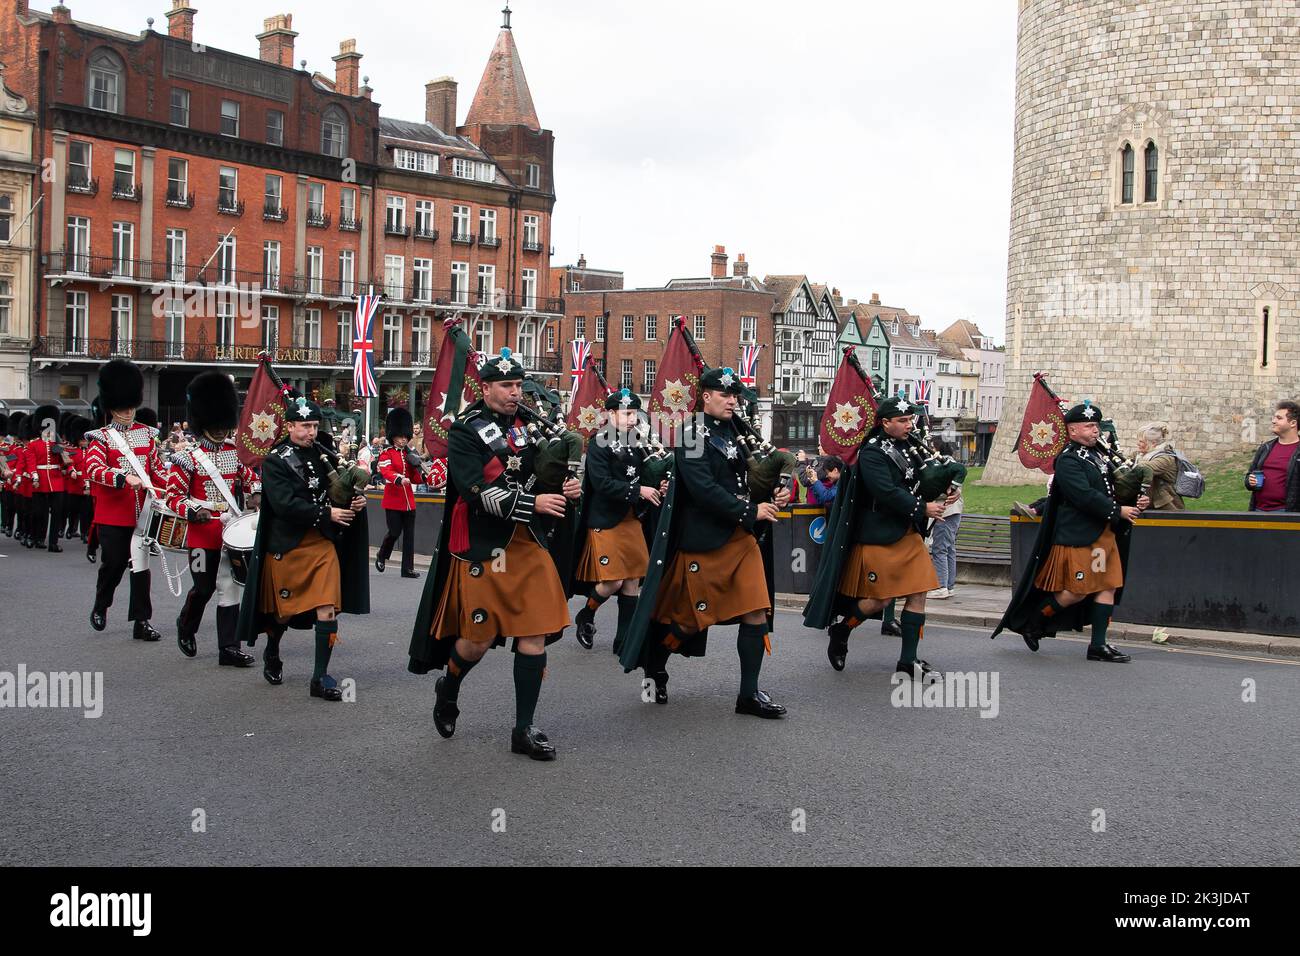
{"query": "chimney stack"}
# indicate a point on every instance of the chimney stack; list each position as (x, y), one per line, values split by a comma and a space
(440, 103)
(347, 68)
(875, 299)
(582, 261)
(61, 13)
(277, 40)
(719, 262)
(180, 21)
(740, 267)
(853, 302)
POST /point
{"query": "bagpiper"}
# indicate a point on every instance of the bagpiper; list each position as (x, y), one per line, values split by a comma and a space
(706, 567)
(875, 548)
(400, 478)
(309, 560)
(613, 556)
(491, 577)
(1075, 575)
(209, 485)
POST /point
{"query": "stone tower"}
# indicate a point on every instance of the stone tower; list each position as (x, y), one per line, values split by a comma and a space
(1154, 259)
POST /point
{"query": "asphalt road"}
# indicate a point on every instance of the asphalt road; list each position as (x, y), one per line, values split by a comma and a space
(1184, 770)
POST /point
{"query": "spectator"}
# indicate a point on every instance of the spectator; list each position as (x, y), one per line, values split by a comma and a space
(364, 455)
(943, 542)
(1278, 464)
(821, 479)
(1155, 448)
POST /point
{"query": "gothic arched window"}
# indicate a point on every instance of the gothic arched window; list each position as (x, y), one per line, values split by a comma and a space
(1152, 156)
(1126, 167)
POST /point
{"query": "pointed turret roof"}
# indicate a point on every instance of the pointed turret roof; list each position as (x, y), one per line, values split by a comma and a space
(502, 98)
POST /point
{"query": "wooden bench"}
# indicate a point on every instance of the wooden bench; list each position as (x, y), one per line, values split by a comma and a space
(984, 539)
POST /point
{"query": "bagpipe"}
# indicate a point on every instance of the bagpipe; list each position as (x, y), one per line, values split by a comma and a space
(559, 451)
(345, 480)
(937, 473)
(659, 460)
(770, 469)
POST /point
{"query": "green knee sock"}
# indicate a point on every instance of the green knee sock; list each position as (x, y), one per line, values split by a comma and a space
(1100, 622)
(324, 631)
(749, 645)
(457, 668)
(913, 625)
(626, 608)
(887, 614)
(528, 686)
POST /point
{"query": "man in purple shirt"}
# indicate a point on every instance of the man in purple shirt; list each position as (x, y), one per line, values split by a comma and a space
(1276, 460)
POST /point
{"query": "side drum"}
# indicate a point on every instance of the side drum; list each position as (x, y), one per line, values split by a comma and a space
(238, 538)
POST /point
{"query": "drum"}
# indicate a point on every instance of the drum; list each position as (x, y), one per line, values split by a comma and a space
(167, 530)
(238, 537)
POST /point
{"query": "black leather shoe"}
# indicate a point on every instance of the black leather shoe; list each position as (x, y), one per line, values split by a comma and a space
(186, 642)
(838, 648)
(273, 670)
(326, 689)
(584, 627)
(445, 711)
(410, 574)
(1108, 654)
(144, 631)
(533, 742)
(661, 688)
(892, 628)
(99, 620)
(233, 657)
(1031, 640)
(919, 670)
(56, 549)
(39, 545)
(379, 564)
(760, 705)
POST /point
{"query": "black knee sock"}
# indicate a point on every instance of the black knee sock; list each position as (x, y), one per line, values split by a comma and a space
(457, 668)
(528, 686)
(274, 632)
(1100, 622)
(887, 613)
(749, 645)
(626, 608)
(324, 631)
(656, 654)
(913, 624)
(1051, 609)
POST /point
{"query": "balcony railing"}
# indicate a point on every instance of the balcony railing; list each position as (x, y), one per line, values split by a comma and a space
(532, 246)
(87, 187)
(430, 234)
(320, 220)
(128, 191)
(180, 200)
(230, 207)
(462, 238)
(347, 224)
(274, 212)
(490, 241)
(393, 229)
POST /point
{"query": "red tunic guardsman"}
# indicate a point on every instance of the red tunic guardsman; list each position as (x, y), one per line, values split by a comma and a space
(8, 470)
(77, 498)
(45, 468)
(23, 484)
(120, 495)
(400, 479)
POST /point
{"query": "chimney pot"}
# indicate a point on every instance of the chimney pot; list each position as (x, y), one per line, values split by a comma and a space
(277, 40)
(180, 21)
(718, 262)
(740, 267)
(440, 103)
(875, 299)
(61, 13)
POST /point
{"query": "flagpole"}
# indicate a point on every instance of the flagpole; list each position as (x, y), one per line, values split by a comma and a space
(370, 398)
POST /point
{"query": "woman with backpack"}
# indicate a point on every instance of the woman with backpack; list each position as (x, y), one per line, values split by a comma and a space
(1156, 450)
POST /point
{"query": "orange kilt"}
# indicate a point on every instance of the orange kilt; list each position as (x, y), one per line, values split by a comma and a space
(615, 554)
(523, 599)
(302, 579)
(703, 588)
(883, 571)
(1071, 569)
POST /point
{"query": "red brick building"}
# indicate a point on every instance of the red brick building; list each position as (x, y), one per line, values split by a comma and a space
(204, 205)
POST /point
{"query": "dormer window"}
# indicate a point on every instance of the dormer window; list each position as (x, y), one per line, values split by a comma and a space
(334, 132)
(104, 80)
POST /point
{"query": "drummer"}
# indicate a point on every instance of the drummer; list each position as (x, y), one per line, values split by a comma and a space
(209, 486)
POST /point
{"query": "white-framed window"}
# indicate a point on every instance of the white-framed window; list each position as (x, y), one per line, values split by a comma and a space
(315, 270)
(532, 232)
(533, 176)
(311, 329)
(348, 204)
(929, 361)
(629, 328)
(421, 280)
(78, 164)
(420, 340)
(701, 326)
(229, 118)
(625, 374)
(119, 325)
(487, 224)
(875, 360)
(550, 336)
(225, 322)
(270, 264)
(580, 327)
(485, 173)
(344, 321)
(180, 107)
(460, 222)
(175, 329)
(270, 328)
(174, 251)
(483, 335)
(228, 187)
(395, 213)
(528, 343)
(6, 216)
(123, 172)
(487, 281)
(648, 382)
(104, 79)
(748, 329)
(315, 202)
(78, 244)
(651, 328)
(575, 286)
(394, 274)
(347, 273)
(334, 132)
(6, 303)
(226, 260)
(898, 360)
(76, 323)
(274, 127)
(392, 338)
(273, 199)
(528, 285)
(460, 283)
(415, 160)
(462, 168)
(600, 327)
(424, 217)
(123, 249)
(907, 360)
(178, 180)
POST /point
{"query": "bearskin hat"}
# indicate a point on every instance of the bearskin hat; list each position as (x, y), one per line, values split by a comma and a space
(64, 418)
(16, 424)
(78, 425)
(211, 402)
(25, 427)
(46, 416)
(4, 424)
(121, 386)
(146, 416)
(399, 424)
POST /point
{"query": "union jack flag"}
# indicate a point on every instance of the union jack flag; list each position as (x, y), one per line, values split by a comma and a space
(363, 347)
(923, 388)
(749, 364)
(581, 352)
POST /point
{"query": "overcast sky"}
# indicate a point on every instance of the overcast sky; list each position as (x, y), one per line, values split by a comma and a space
(866, 144)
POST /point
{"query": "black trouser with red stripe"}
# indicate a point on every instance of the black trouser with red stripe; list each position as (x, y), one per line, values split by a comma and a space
(47, 516)
(7, 511)
(205, 566)
(115, 547)
(399, 523)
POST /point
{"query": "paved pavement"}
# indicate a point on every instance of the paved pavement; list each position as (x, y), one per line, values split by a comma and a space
(1184, 770)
